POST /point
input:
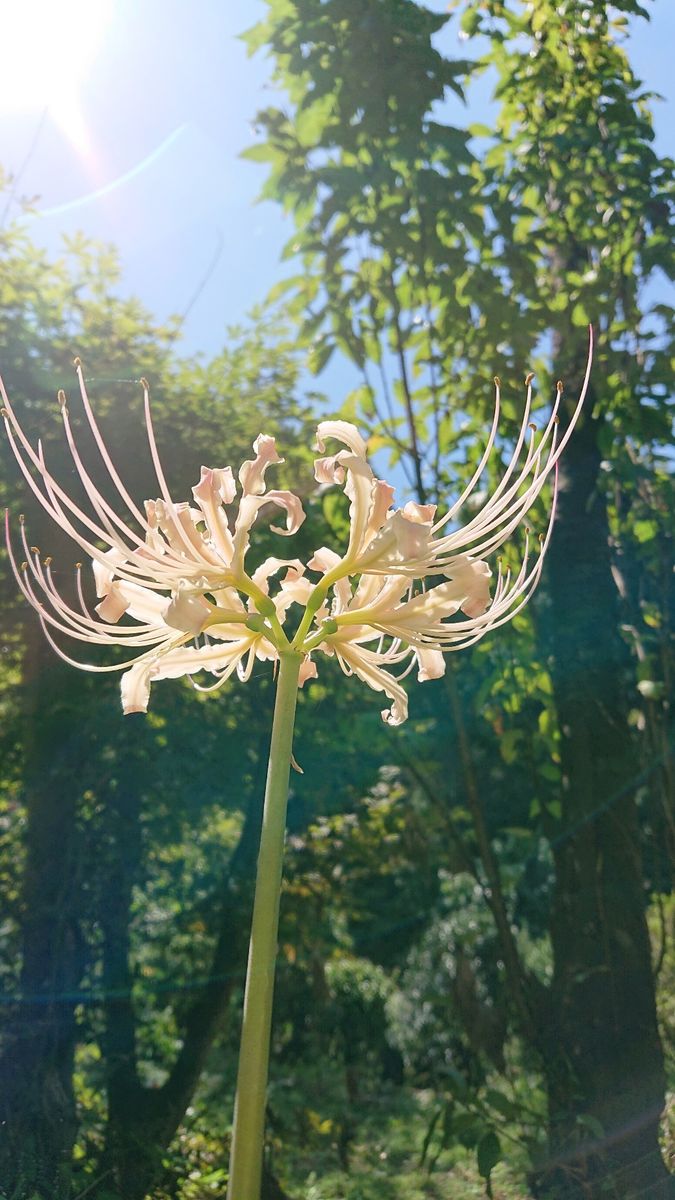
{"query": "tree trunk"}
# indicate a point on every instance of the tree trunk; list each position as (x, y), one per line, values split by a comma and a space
(604, 1060)
(143, 1121)
(37, 1107)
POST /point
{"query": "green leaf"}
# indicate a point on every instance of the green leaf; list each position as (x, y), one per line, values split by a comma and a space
(508, 745)
(260, 152)
(580, 315)
(645, 530)
(319, 355)
(488, 1154)
(502, 1104)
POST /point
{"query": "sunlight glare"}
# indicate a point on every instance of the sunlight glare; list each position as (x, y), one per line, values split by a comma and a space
(47, 51)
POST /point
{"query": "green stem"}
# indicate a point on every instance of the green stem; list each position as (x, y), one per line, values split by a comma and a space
(249, 1109)
(313, 604)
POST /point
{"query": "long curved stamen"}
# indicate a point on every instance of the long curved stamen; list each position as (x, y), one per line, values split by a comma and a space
(105, 668)
(15, 431)
(161, 478)
(73, 629)
(222, 678)
(497, 508)
(52, 505)
(110, 466)
(80, 591)
(107, 515)
(485, 458)
(520, 511)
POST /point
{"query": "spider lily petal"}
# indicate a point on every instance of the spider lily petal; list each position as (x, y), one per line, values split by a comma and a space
(366, 664)
(180, 661)
(252, 473)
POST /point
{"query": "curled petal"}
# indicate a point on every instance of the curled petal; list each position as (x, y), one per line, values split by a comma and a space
(135, 688)
(216, 485)
(358, 482)
(295, 513)
(472, 575)
(104, 571)
(359, 489)
(370, 498)
(252, 472)
(187, 610)
(342, 431)
(142, 603)
(330, 470)
(215, 489)
(294, 587)
(323, 559)
(308, 670)
(398, 713)
(405, 538)
(294, 591)
(430, 662)
(270, 567)
(427, 608)
(113, 605)
(249, 508)
(220, 660)
(381, 497)
(420, 514)
(364, 663)
(411, 531)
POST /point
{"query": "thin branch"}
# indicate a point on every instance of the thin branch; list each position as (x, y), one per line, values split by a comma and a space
(415, 453)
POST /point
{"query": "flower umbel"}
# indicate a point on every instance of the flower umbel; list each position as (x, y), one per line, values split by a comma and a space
(173, 588)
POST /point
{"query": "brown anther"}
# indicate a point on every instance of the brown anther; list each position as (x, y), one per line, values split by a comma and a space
(531, 425)
(4, 412)
(498, 382)
(144, 383)
(559, 386)
(21, 518)
(61, 397)
(556, 420)
(24, 566)
(78, 566)
(528, 378)
(35, 549)
(77, 363)
(48, 561)
(541, 539)
(528, 531)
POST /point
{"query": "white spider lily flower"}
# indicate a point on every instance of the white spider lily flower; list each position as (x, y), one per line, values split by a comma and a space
(175, 570)
(172, 583)
(409, 540)
(379, 614)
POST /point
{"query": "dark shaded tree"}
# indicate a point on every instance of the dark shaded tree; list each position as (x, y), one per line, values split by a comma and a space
(430, 262)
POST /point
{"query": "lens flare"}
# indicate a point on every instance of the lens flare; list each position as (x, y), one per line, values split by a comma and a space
(48, 50)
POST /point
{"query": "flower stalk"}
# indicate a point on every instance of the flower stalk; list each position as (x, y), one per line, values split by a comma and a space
(249, 1110)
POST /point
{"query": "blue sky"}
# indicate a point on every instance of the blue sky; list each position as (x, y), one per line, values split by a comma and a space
(163, 105)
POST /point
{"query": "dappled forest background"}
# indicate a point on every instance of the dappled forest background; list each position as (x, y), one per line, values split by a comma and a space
(476, 965)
